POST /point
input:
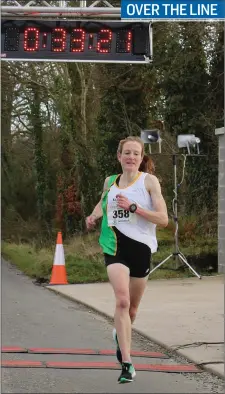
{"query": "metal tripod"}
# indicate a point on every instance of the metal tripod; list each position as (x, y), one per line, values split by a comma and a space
(177, 253)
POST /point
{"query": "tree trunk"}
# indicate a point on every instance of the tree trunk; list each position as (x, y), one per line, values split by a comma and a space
(7, 93)
(37, 126)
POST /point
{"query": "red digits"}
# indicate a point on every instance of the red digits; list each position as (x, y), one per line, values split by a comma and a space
(58, 40)
(128, 41)
(31, 39)
(104, 41)
(77, 40)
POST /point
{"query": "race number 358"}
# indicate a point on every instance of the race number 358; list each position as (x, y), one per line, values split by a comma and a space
(120, 214)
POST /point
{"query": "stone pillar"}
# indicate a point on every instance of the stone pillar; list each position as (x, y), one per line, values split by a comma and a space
(221, 200)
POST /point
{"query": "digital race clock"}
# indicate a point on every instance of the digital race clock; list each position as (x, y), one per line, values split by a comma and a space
(78, 41)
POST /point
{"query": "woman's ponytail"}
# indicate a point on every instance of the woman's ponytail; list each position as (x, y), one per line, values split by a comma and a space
(147, 165)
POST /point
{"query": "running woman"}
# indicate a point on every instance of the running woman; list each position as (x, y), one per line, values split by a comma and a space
(131, 207)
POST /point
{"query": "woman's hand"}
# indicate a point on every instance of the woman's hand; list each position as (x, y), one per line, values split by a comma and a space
(123, 202)
(91, 221)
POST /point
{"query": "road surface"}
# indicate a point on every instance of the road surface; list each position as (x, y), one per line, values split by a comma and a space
(32, 316)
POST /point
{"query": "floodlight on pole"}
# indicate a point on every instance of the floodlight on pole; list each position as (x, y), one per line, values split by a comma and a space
(151, 136)
(184, 141)
(188, 140)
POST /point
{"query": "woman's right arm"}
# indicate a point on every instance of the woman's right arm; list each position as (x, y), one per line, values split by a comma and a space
(97, 211)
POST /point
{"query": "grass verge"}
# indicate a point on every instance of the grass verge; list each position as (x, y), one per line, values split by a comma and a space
(84, 260)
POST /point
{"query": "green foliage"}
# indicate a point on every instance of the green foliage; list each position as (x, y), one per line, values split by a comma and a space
(217, 78)
(62, 124)
(84, 259)
(123, 112)
(186, 87)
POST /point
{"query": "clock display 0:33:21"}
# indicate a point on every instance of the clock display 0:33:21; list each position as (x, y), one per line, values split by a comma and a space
(79, 40)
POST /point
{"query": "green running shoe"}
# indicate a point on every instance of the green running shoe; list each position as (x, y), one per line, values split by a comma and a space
(128, 373)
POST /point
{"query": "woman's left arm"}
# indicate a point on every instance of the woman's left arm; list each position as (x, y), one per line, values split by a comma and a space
(159, 216)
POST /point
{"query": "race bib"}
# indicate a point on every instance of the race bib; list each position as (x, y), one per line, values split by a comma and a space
(117, 215)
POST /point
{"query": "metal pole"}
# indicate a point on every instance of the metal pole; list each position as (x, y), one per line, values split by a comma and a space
(177, 255)
(62, 4)
(98, 11)
(175, 210)
(175, 200)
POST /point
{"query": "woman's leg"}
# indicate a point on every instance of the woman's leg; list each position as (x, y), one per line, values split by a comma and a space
(119, 278)
(137, 288)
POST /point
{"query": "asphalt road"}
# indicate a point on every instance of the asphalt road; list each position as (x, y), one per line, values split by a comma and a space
(32, 316)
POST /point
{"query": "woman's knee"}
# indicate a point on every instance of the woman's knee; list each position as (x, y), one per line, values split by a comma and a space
(122, 301)
(133, 313)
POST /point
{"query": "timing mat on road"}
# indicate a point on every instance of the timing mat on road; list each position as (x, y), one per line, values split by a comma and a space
(36, 350)
(184, 368)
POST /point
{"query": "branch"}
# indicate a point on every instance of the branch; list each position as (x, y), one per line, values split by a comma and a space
(130, 88)
(24, 125)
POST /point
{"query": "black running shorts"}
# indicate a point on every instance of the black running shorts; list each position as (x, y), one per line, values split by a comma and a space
(133, 254)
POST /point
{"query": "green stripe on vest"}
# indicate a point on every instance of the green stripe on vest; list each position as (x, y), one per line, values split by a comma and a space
(107, 239)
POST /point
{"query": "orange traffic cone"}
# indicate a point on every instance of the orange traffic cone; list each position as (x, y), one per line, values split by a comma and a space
(59, 270)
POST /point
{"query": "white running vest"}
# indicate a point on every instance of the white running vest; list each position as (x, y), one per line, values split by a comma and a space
(130, 224)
